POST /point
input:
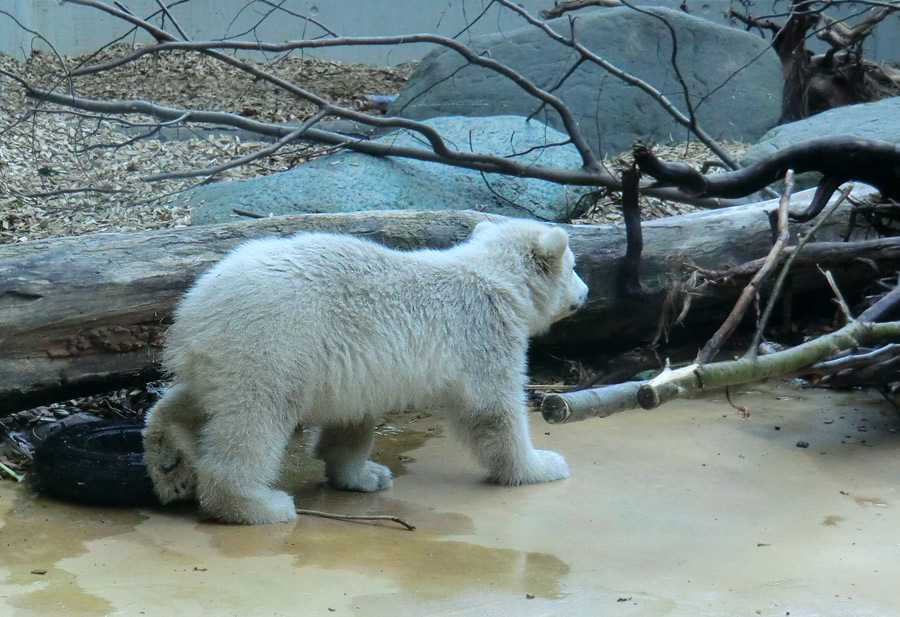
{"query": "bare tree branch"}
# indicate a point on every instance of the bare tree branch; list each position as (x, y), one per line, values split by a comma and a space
(589, 159)
(751, 291)
(840, 36)
(840, 158)
(591, 174)
(657, 96)
(789, 262)
(857, 360)
(165, 10)
(560, 8)
(671, 385)
(480, 162)
(262, 153)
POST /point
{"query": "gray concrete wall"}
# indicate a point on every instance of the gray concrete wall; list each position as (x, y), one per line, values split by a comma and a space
(75, 29)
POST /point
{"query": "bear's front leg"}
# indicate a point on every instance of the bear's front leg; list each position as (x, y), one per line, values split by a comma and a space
(498, 435)
(345, 450)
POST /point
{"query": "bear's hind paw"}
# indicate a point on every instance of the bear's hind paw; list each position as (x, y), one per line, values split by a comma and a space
(262, 507)
(367, 478)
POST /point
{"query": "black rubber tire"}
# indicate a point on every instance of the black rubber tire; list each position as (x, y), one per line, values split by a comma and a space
(98, 463)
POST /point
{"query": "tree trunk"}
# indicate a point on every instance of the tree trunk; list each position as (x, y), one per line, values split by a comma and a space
(89, 313)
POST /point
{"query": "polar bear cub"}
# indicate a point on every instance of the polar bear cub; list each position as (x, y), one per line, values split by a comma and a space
(332, 331)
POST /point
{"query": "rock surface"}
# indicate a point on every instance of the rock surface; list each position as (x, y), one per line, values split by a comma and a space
(879, 120)
(348, 181)
(734, 78)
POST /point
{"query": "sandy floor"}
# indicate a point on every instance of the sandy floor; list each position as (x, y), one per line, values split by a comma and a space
(688, 510)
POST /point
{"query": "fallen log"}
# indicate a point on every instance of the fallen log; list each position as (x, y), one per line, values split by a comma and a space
(86, 314)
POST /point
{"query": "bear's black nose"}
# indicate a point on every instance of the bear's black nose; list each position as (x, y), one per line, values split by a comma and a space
(579, 302)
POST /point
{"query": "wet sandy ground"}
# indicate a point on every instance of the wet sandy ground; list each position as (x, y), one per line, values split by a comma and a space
(689, 510)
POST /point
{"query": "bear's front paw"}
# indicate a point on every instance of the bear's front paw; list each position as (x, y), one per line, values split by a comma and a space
(553, 466)
(367, 478)
(543, 466)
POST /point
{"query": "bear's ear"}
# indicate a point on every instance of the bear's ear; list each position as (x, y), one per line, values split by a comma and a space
(552, 244)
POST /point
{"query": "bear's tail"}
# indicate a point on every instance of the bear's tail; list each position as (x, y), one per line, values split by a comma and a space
(170, 445)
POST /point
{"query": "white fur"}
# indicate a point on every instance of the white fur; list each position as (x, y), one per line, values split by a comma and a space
(333, 331)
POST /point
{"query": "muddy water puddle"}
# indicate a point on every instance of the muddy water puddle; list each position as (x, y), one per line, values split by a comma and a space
(685, 510)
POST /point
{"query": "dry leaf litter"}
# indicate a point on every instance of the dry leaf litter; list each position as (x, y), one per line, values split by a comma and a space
(65, 173)
(68, 173)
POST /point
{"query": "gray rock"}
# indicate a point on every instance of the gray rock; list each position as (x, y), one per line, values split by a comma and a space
(879, 120)
(734, 78)
(348, 181)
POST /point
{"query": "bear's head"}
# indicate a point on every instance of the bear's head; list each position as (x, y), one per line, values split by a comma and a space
(542, 255)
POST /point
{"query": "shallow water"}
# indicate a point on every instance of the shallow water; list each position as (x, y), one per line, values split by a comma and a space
(682, 511)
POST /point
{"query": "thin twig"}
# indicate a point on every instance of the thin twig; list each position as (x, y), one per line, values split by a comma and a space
(886, 303)
(252, 215)
(174, 21)
(69, 192)
(838, 296)
(875, 356)
(210, 48)
(658, 96)
(351, 517)
(482, 162)
(242, 160)
(786, 268)
(751, 291)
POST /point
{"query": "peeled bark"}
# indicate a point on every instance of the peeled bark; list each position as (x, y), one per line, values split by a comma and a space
(89, 313)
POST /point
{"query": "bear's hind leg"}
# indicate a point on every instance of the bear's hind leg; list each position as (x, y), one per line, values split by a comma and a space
(170, 444)
(345, 450)
(240, 457)
(497, 431)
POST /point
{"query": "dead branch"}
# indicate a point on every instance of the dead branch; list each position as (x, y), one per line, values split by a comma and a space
(857, 360)
(885, 305)
(816, 82)
(688, 121)
(211, 48)
(634, 242)
(262, 153)
(841, 36)
(604, 401)
(752, 290)
(560, 8)
(591, 173)
(751, 22)
(841, 158)
(559, 408)
(774, 296)
(358, 517)
(838, 296)
(440, 153)
(673, 384)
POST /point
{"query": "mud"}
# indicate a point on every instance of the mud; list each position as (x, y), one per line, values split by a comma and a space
(681, 511)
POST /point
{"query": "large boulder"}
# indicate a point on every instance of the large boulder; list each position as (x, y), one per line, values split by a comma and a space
(879, 120)
(734, 78)
(349, 181)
